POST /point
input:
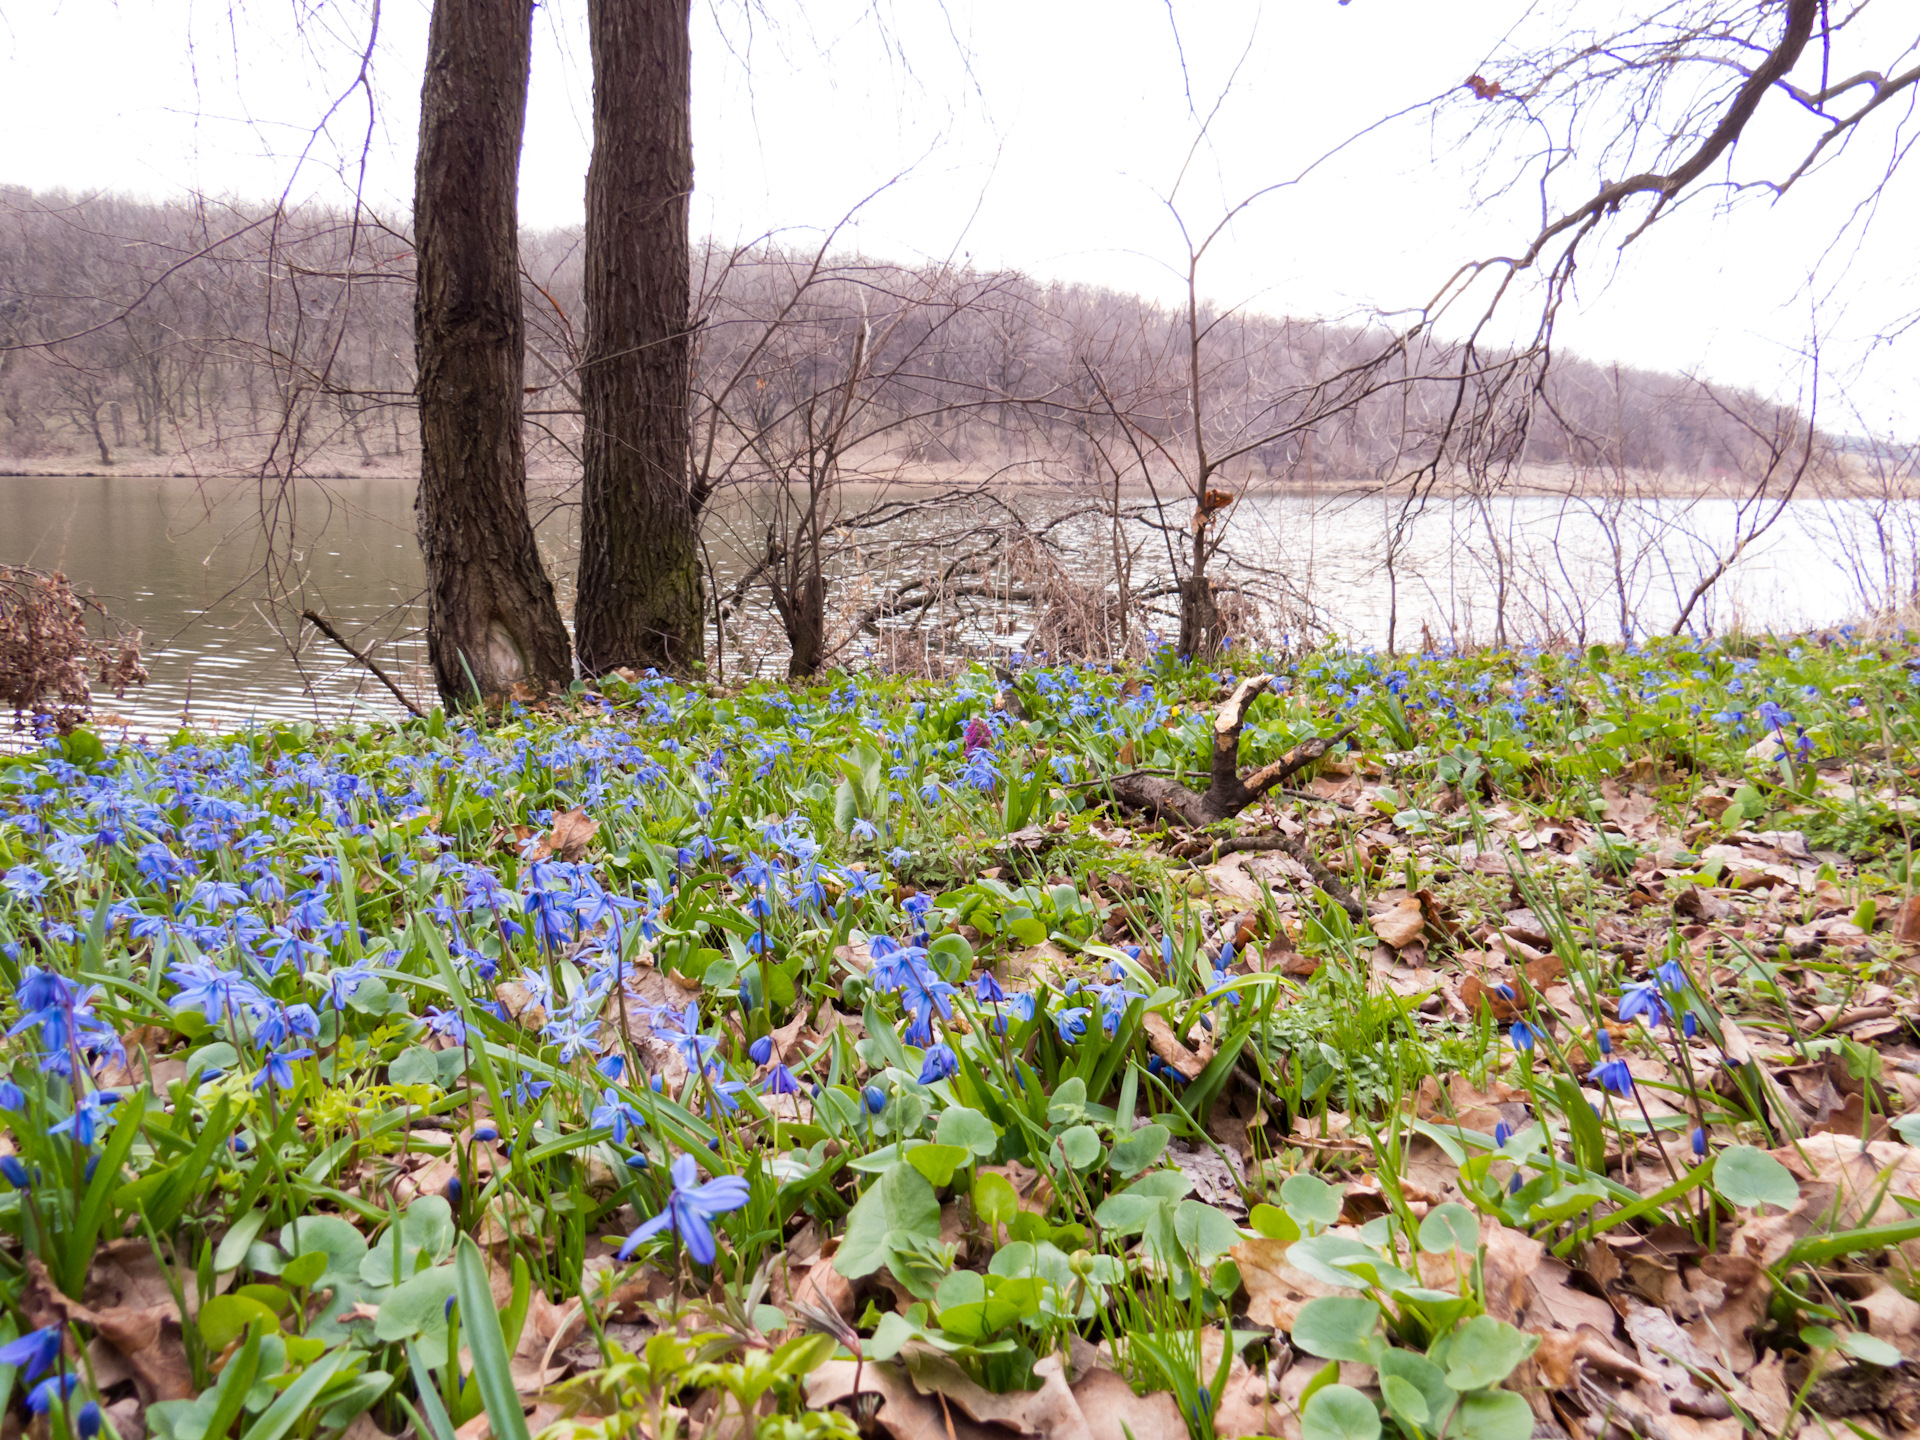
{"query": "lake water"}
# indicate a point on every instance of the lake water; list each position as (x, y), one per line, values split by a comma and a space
(185, 562)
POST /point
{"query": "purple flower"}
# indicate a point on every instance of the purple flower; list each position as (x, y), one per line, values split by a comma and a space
(279, 1068)
(987, 990)
(780, 1081)
(690, 1210)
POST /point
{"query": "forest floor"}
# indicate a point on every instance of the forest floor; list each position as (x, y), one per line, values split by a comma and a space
(794, 1062)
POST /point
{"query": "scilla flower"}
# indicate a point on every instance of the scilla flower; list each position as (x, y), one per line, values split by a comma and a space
(940, 1063)
(690, 1211)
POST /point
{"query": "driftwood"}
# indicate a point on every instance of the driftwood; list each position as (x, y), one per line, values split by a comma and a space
(1229, 792)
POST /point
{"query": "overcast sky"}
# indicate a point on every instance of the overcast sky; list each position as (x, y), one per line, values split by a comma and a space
(1043, 135)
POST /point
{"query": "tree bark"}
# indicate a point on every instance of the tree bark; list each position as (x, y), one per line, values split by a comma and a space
(492, 621)
(640, 601)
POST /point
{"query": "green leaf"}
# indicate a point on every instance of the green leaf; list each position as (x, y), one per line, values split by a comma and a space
(1325, 1258)
(938, 1162)
(1027, 930)
(1748, 1178)
(1870, 1348)
(1339, 1412)
(1203, 1231)
(1492, 1415)
(994, 1200)
(846, 806)
(1337, 1327)
(480, 1328)
(1450, 1227)
(303, 1270)
(223, 1319)
(297, 1397)
(899, 1205)
(1080, 1146)
(961, 1126)
(233, 1245)
(416, 1307)
(1404, 1399)
(1424, 1378)
(1139, 1150)
(1310, 1200)
(1589, 1141)
(1274, 1223)
(1484, 1351)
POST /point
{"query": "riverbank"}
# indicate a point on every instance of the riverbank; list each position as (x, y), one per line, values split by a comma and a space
(857, 1021)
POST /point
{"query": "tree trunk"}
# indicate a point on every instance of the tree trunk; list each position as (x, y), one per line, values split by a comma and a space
(803, 615)
(492, 621)
(640, 601)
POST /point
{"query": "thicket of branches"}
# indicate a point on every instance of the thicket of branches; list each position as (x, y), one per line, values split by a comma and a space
(240, 337)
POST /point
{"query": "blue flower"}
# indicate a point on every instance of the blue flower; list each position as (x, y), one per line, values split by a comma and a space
(780, 1081)
(33, 1352)
(84, 1123)
(1643, 999)
(986, 990)
(15, 1172)
(940, 1063)
(761, 1050)
(1699, 1141)
(696, 1049)
(279, 1068)
(690, 1210)
(1672, 975)
(874, 1098)
(1521, 1035)
(1615, 1076)
(616, 1115)
(1071, 1023)
(58, 1387)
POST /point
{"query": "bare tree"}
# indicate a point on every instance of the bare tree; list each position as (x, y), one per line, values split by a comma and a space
(492, 622)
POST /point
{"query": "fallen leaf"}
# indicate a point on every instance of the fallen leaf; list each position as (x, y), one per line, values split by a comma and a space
(1403, 924)
(572, 829)
(1275, 1290)
(1169, 1048)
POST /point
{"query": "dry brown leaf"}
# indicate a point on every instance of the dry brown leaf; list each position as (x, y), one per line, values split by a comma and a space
(1906, 924)
(1403, 924)
(903, 1411)
(1168, 1047)
(1275, 1290)
(568, 838)
(1030, 1186)
(1112, 1410)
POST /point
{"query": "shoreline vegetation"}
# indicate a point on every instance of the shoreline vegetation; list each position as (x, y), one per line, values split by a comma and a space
(1528, 1041)
(1534, 482)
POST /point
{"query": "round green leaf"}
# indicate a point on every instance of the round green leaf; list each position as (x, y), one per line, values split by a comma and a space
(1492, 1415)
(1274, 1223)
(303, 1270)
(1204, 1232)
(1310, 1199)
(1139, 1150)
(224, 1318)
(1081, 1146)
(1870, 1348)
(900, 1204)
(1404, 1399)
(1337, 1327)
(961, 1126)
(938, 1162)
(1749, 1178)
(1484, 1351)
(1340, 1412)
(994, 1200)
(1450, 1227)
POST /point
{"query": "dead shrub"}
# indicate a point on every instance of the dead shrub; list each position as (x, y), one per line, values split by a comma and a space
(50, 659)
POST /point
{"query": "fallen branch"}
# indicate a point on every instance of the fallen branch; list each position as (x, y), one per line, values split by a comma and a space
(320, 624)
(1287, 845)
(1229, 792)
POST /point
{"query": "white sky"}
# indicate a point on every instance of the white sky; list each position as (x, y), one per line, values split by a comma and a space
(1034, 134)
